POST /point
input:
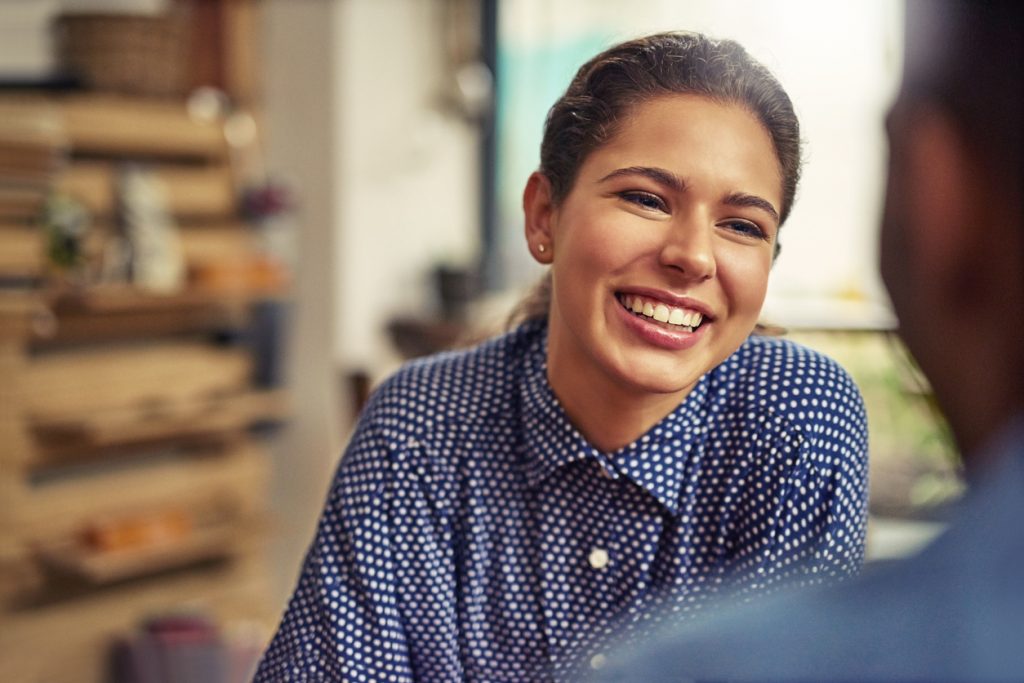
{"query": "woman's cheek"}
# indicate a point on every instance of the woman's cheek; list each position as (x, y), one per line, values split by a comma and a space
(744, 275)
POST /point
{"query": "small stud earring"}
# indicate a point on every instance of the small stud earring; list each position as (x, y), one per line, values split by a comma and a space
(541, 248)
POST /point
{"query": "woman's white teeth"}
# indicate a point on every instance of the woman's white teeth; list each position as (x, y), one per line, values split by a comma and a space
(662, 313)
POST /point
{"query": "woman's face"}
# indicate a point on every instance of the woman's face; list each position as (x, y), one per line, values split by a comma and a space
(661, 251)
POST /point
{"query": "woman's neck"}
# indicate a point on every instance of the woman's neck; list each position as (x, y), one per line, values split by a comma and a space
(607, 412)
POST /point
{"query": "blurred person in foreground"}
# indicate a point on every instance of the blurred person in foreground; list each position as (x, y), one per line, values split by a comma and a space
(952, 258)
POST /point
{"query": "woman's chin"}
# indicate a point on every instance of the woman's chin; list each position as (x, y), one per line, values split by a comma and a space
(656, 377)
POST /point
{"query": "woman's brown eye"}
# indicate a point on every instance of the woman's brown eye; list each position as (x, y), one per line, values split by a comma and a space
(747, 228)
(644, 199)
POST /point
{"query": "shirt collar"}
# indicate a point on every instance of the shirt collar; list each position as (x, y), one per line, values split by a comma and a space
(552, 442)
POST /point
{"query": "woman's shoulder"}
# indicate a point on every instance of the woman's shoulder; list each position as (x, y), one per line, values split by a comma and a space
(792, 379)
(783, 362)
(795, 394)
(415, 417)
(464, 383)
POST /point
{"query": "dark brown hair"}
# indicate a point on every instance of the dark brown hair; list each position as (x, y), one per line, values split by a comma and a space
(608, 87)
(975, 76)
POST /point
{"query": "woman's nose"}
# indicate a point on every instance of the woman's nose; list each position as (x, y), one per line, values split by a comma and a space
(688, 248)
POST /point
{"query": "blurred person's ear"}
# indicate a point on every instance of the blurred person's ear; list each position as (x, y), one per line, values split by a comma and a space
(948, 208)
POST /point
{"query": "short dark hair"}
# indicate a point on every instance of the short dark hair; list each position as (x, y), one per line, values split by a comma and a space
(967, 56)
(608, 86)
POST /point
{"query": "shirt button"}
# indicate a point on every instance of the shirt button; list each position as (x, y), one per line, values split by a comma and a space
(598, 661)
(598, 558)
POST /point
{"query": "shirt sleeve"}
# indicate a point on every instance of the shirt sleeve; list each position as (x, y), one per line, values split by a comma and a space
(342, 622)
(820, 521)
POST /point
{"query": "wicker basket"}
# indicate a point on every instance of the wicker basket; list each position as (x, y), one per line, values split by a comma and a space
(126, 53)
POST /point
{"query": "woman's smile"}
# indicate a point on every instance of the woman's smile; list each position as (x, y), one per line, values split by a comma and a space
(679, 318)
(658, 321)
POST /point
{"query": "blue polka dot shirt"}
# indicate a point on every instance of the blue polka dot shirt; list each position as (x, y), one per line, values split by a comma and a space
(473, 534)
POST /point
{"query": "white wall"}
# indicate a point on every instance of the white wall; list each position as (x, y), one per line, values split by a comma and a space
(299, 59)
(407, 188)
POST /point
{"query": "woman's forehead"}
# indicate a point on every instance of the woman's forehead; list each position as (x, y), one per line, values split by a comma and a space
(692, 134)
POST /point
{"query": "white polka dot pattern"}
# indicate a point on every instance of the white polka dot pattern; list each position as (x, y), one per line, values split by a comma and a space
(473, 534)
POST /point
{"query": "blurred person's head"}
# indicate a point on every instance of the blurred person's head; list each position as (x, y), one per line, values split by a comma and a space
(667, 169)
(952, 244)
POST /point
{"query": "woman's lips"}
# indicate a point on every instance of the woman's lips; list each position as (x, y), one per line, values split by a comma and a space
(686, 318)
(681, 317)
(664, 335)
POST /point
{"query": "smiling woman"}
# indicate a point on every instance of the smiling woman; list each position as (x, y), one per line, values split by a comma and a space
(631, 443)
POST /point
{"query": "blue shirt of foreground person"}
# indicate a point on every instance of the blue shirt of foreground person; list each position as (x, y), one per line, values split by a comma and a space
(952, 257)
(953, 613)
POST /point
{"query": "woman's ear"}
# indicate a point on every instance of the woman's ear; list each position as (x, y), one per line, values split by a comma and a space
(538, 212)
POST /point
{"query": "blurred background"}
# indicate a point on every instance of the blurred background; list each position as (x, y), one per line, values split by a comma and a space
(222, 222)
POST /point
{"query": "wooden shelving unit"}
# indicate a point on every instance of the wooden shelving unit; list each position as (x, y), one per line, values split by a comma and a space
(133, 472)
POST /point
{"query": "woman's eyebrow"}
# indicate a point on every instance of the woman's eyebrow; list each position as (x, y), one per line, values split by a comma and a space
(658, 175)
(674, 182)
(742, 199)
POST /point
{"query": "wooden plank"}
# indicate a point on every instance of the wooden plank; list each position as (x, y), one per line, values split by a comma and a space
(220, 241)
(66, 441)
(121, 298)
(199, 192)
(21, 202)
(20, 575)
(235, 482)
(191, 191)
(31, 122)
(93, 183)
(16, 446)
(23, 246)
(22, 251)
(112, 125)
(120, 312)
(90, 326)
(66, 385)
(101, 567)
(17, 310)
